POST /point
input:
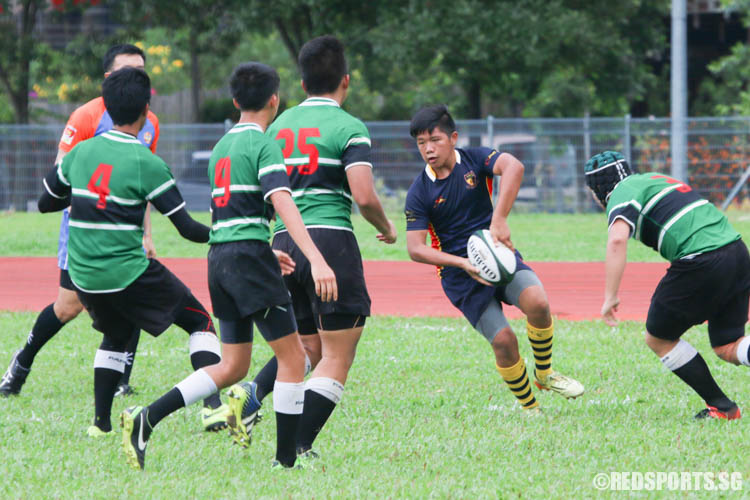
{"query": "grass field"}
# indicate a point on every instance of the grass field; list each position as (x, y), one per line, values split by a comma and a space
(540, 237)
(425, 414)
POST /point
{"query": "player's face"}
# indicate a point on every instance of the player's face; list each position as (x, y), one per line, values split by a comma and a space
(437, 148)
(127, 61)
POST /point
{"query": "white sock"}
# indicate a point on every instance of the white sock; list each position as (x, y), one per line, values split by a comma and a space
(288, 397)
(111, 360)
(679, 356)
(327, 387)
(196, 386)
(742, 351)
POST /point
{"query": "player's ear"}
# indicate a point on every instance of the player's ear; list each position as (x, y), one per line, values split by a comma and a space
(236, 104)
(145, 109)
(302, 84)
(273, 103)
(345, 82)
(454, 138)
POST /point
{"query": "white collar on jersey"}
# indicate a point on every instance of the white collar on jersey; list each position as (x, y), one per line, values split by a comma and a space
(242, 127)
(319, 101)
(116, 135)
(431, 173)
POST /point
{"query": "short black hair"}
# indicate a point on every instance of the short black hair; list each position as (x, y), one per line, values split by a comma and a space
(126, 93)
(252, 85)
(432, 117)
(124, 48)
(322, 64)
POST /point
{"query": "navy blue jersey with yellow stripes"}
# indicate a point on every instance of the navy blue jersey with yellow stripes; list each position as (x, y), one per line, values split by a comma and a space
(451, 209)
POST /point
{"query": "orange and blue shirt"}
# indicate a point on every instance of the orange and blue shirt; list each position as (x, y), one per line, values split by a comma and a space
(87, 121)
(451, 210)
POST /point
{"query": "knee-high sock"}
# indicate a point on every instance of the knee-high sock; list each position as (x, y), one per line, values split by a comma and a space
(288, 401)
(689, 365)
(205, 350)
(743, 351)
(130, 349)
(45, 327)
(194, 387)
(322, 394)
(108, 367)
(518, 383)
(541, 345)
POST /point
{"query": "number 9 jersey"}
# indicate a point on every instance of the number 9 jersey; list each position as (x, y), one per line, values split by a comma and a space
(317, 158)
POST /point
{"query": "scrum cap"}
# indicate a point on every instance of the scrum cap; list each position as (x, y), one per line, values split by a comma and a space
(603, 171)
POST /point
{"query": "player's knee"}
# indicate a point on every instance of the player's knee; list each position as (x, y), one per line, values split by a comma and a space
(537, 307)
(67, 310)
(504, 342)
(727, 352)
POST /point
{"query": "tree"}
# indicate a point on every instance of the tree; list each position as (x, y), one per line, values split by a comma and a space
(17, 20)
(205, 29)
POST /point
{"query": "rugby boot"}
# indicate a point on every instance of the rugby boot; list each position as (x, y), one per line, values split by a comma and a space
(244, 412)
(713, 412)
(214, 419)
(561, 384)
(14, 377)
(95, 432)
(133, 422)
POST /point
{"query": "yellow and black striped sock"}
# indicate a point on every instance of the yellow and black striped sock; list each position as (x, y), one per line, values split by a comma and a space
(518, 383)
(541, 344)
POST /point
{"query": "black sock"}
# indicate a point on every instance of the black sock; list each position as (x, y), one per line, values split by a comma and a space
(314, 416)
(165, 405)
(696, 374)
(286, 430)
(45, 327)
(201, 359)
(266, 378)
(105, 385)
(131, 348)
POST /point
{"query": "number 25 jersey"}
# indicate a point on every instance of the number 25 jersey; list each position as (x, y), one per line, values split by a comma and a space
(320, 141)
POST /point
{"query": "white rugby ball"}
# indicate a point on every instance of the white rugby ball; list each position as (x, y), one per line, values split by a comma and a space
(496, 263)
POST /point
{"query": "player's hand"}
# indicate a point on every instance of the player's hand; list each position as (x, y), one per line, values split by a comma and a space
(148, 245)
(609, 308)
(286, 263)
(390, 236)
(325, 281)
(473, 272)
(501, 233)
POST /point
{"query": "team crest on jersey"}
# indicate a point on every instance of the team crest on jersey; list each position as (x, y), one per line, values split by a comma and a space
(147, 137)
(68, 134)
(471, 180)
(439, 201)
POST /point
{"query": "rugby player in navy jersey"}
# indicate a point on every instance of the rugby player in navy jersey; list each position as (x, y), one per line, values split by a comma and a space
(450, 200)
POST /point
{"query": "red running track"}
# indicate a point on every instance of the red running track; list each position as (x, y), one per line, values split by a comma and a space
(575, 289)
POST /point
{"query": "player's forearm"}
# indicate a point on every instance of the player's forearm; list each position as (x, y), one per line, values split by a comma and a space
(375, 215)
(617, 250)
(428, 255)
(287, 211)
(189, 228)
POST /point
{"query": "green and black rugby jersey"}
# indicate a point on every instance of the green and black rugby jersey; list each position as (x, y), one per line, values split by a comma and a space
(245, 168)
(111, 177)
(320, 141)
(668, 216)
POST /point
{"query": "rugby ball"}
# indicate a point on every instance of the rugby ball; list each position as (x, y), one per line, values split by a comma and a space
(496, 263)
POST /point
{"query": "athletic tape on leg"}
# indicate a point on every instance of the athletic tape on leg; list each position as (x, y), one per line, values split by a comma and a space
(327, 387)
(205, 341)
(288, 397)
(742, 351)
(111, 360)
(308, 364)
(679, 356)
(196, 386)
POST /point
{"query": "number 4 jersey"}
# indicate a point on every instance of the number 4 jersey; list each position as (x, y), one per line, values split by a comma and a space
(110, 178)
(320, 141)
(245, 168)
(668, 216)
